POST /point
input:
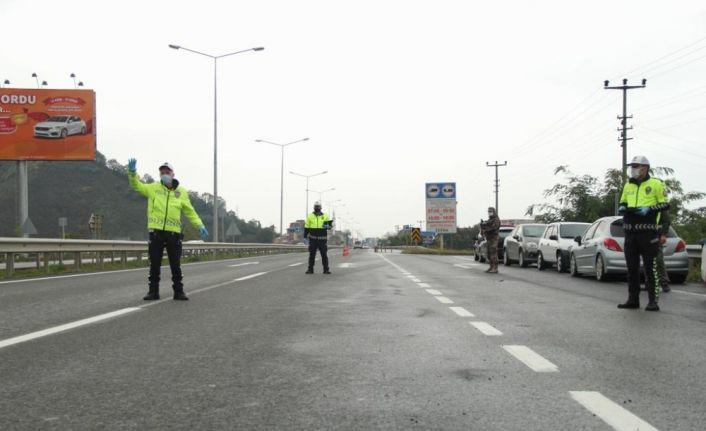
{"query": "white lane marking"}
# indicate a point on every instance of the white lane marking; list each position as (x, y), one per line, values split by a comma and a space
(297, 264)
(65, 327)
(248, 277)
(405, 273)
(461, 311)
(532, 359)
(345, 265)
(458, 265)
(612, 413)
(411, 276)
(444, 300)
(243, 264)
(434, 292)
(416, 280)
(486, 329)
(118, 271)
(424, 285)
(464, 258)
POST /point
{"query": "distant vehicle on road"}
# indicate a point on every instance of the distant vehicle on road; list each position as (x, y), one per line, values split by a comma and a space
(60, 126)
(357, 244)
(521, 245)
(503, 233)
(554, 244)
(599, 252)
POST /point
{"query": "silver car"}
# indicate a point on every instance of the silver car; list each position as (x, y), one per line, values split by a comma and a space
(599, 252)
(521, 245)
(554, 244)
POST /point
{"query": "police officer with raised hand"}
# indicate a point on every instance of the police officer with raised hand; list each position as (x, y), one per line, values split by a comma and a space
(316, 229)
(641, 205)
(166, 200)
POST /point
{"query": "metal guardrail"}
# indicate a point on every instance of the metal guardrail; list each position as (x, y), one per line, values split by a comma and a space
(42, 248)
(694, 251)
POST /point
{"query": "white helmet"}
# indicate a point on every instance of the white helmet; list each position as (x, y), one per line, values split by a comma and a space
(639, 160)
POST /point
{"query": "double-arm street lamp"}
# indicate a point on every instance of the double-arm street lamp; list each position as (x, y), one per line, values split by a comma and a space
(281, 178)
(215, 125)
(307, 186)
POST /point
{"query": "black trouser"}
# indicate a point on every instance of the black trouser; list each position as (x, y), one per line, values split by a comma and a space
(318, 244)
(159, 239)
(643, 244)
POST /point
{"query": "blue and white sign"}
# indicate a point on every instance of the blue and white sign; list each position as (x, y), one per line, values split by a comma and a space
(441, 190)
(441, 207)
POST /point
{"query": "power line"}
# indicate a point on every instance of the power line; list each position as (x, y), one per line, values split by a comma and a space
(628, 73)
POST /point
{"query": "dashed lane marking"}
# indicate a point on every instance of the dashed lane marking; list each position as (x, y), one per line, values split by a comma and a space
(444, 300)
(243, 264)
(458, 265)
(532, 359)
(248, 277)
(461, 311)
(424, 285)
(486, 329)
(297, 264)
(434, 292)
(613, 414)
(416, 280)
(65, 327)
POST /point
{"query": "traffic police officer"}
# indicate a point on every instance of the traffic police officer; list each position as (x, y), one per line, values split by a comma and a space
(491, 229)
(641, 204)
(166, 200)
(316, 229)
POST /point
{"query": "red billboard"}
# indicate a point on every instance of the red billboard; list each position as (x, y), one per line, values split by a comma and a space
(38, 124)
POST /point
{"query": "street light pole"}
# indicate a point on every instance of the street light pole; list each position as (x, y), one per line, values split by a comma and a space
(307, 187)
(215, 58)
(281, 179)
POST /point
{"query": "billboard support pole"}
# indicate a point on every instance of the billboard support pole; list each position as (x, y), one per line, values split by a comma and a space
(23, 196)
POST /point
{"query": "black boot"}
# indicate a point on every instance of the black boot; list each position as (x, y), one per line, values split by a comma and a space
(326, 271)
(652, 306)
(152, 295)
(629, 305)
(179, 295)
(309, 271)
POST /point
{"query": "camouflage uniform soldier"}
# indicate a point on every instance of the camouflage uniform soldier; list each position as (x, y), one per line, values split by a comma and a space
(490, 229)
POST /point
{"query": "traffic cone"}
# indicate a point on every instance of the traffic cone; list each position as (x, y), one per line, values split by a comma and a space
(346, 251)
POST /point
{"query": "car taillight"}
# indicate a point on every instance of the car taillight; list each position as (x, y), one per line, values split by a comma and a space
(681, 246)
(612, 244)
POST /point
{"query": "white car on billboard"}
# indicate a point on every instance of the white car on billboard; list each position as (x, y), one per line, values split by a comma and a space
(60, 126)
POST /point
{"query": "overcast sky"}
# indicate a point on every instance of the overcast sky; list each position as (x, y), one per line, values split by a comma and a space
(392, 94)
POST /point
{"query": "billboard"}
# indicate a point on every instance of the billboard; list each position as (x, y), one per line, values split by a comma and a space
(39, 124)
(441, 207)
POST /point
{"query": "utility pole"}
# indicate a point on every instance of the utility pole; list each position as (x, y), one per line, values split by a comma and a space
(496, 165)
(624, 119)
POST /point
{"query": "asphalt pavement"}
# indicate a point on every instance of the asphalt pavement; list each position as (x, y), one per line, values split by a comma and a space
(388, 341)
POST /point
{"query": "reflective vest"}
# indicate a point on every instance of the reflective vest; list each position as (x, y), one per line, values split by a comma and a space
(314, 226)
(650, 193)
(164, 205)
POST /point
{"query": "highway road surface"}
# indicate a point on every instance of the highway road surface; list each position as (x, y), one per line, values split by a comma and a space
(388, 341)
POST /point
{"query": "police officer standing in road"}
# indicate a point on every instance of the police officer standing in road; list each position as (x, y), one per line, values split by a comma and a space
(491, 229)
(641, 204)
(166, 200)
(316, 229)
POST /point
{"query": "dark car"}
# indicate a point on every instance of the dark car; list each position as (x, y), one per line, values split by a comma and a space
(503, 232)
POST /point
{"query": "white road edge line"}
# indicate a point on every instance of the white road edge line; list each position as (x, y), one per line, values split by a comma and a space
(462, 312)
(297, 264)
(612, 413)
(688, 293)
(486, 329)
(248, 277)
(65, 327)
(424, 285)
(433, 292)
(532, 359)
(444, 300)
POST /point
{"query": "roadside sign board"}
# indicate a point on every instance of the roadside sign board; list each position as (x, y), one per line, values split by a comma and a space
(428, 237)
(416, 234)
(441, 207)
(47, 124)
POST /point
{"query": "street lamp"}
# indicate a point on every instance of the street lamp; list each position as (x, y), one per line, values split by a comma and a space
(321, 193)
(281, 179)
(6, 82)
(215, 125)
(307, 187)
(76, 85)
(36, 78)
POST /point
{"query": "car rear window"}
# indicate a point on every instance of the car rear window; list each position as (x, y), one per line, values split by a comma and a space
(573, 230)
(533, 231)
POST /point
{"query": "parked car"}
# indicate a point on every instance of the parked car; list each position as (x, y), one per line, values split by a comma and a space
(503, 232)
(60, 126)
(554, 244)
(599, 252)
(521, 245)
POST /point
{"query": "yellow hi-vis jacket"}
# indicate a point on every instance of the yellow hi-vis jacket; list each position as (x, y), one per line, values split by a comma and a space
(164, 205)
(650, 193)
(314, 226)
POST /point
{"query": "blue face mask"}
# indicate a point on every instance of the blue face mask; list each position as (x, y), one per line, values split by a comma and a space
(166, 179)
